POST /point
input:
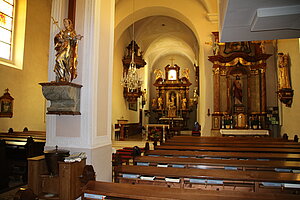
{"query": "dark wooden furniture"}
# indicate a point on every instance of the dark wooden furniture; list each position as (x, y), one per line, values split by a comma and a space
(230, 139)
(65, 186)
(231, 164)
(96, 189)
(220, 144)
(124, 130)
(4, 178)
(221, 179)
(25, 194)
(18, 147)
(226, 155)
(229, 149)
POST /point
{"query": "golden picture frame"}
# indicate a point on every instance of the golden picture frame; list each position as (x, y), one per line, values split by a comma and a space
(6, 105)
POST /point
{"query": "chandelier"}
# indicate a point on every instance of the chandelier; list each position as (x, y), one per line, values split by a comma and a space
(131, 79)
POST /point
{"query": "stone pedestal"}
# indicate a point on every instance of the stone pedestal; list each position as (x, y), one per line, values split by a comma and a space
(64, 97)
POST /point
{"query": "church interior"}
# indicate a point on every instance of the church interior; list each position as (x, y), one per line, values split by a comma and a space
(97, 76)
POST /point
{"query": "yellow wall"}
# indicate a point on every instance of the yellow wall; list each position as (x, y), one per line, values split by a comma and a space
(290, 116)
(29, 103)
(186, 14)
(119, 104)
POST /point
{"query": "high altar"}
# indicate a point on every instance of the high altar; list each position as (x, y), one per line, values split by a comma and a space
(239, 76)
(172, 100)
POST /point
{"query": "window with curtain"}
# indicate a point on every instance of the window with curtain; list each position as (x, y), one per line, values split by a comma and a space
(6, 28)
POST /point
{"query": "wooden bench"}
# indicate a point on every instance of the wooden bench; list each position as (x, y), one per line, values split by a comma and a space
(4, 176)
(228, 149)
(213, 179)
(98, 189)
(230, 139)
(264, 145)
(279, 166)
(226, 155)
(17, 151)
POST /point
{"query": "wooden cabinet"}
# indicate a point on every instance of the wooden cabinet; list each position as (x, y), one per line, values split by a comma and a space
(65, 186)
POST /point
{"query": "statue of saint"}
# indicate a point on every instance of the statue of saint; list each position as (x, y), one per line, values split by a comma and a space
(66, 45)
(283, 71)
(183, 105)
(237, 91)
(160, 103)
(172, 103)
(153, 103)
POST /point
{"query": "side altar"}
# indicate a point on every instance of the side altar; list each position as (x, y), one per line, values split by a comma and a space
(239, 78)
(172, 99)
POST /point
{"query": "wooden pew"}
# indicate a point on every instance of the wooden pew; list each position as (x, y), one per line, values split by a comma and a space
(17, 152)
(96, 190)
(228, 149)
(256, 181)
(33, 134)
(226, 155)
(220, 144)
(4, 178)
(287, 166)
(230, 139)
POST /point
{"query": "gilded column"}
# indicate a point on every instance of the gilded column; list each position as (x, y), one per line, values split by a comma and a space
(249, 100)
(263, 90)
(216, 71)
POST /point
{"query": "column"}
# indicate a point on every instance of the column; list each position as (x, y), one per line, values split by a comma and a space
(216, 72)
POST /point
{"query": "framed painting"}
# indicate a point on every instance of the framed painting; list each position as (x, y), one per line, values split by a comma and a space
(132, 106)
(6, 105)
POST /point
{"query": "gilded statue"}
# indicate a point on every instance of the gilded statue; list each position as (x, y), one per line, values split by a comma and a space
(160, 103)
(153, 103)
(186, 73)
(66, 45)
(183, 105)
(283, 71)
(158, 74)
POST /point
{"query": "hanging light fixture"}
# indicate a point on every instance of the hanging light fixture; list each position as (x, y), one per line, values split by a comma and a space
(131, 79)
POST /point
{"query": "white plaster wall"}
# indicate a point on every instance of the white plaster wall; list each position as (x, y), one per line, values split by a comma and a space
(90, 131)
(290, 116)
(23, 85)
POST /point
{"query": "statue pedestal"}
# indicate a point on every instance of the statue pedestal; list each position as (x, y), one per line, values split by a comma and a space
(64, 97)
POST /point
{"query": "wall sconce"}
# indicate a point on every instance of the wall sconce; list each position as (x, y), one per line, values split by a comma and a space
(208, 112)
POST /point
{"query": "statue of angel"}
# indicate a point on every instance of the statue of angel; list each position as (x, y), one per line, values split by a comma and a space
(186, 73)
(158, 74)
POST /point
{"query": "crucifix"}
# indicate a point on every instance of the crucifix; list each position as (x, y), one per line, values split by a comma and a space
(172, 61)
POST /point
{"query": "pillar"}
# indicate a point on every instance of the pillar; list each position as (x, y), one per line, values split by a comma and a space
(89, 132)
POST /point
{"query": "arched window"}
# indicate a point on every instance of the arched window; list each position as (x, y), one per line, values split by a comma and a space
(6, 28)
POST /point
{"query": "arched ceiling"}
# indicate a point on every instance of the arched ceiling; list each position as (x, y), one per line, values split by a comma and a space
(209, 5)
(162, 28)
(160, 36)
